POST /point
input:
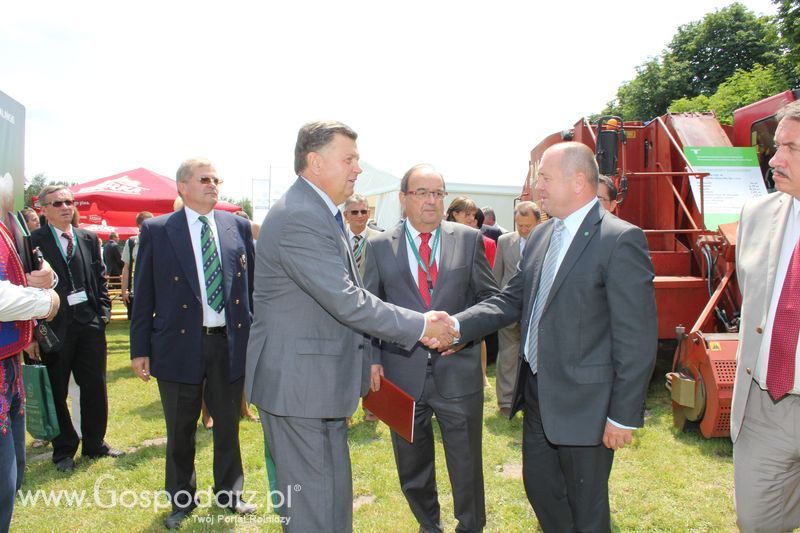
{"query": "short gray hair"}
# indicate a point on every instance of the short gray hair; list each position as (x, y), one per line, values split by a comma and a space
(188, 166)
(316, 135)
(355, 199)
(526, 209)
(50, 189)
(789, 111)
(410, 172)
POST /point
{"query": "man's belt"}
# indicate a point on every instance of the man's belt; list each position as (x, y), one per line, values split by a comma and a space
(217, 330)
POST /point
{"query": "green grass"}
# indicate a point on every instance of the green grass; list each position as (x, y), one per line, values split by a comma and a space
(665, 481)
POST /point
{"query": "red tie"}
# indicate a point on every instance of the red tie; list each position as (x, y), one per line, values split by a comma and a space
(67, 235)
(425, 254)
(785, 328)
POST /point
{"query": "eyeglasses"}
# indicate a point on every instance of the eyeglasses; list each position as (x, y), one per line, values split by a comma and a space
(425, 193)
(59, 203)
(603, 199)
(356, 212)
(208, 180)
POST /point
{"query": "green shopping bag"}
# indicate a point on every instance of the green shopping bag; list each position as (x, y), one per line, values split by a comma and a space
(40, 409)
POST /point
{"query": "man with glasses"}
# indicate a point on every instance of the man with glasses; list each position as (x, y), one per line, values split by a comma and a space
(80, 325)
(356, 213)
(607, 193)
(191, 319)
(427, 263)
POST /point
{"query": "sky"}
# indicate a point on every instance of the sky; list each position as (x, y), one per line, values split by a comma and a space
(469, 87)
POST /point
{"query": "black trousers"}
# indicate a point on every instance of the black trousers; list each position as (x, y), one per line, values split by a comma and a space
(181, 403)
(566, 485)
(82, 353)
(461, 423)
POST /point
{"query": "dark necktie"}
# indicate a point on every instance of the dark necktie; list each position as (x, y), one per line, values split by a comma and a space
(358, 253)
(543, 292)
(67, 235)
(338, 217)
(785, 328)
(425, 255)
(212, 268)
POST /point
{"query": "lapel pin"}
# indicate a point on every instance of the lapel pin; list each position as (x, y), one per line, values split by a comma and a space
(243, 260)
(585, 233)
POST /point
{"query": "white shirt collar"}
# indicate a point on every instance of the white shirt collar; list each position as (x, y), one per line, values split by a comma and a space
(192, 216)
(573, 221)
(351, 234)
(324, 196)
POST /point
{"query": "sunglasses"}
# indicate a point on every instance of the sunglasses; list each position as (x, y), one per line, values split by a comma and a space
(356, 212)
(59, 203)
(208, 180)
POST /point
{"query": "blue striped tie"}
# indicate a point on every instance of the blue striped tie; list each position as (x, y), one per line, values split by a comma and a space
(545, 284)
(212, 268)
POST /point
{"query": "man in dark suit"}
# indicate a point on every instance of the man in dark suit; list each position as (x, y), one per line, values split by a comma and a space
(308, 359)
(112, 256)
(425, 263)
(585, 299)
(191, 319)
(80, 326)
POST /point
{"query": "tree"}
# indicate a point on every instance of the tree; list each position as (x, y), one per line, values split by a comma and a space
(244, 203)
(34, 188)
(739, 90)
(700, 56)
(788, 21)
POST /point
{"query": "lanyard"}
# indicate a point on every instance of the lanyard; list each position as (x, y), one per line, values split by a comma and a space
(425, 268)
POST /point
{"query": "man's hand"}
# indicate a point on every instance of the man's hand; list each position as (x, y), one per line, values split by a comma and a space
(126, 296)
(439, 330)
(33, 351)
(42, 278)
(615, 437)
(375, 378)
(141, 367)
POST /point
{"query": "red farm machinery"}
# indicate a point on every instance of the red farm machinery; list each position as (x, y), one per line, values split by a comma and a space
(697, 293)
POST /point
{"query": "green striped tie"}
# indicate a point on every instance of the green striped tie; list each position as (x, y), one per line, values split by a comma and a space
(212, 268)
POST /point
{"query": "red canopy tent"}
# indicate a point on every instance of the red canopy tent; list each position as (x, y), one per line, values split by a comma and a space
(112, 203)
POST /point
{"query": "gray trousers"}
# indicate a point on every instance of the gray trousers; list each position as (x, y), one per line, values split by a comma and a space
(506, 371)
(312, 464)
(766, 463)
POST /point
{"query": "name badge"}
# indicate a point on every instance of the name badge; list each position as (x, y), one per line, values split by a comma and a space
(77, 297)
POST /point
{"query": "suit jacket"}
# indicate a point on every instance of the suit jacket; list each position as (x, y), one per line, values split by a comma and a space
(598, 332)
(308, 355)
(463, 278)
(112, 257)
(506, 261)
(758, 247)
(88, 246)
(167, 315)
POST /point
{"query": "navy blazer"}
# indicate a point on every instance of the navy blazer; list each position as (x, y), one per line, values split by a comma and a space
(167, 317)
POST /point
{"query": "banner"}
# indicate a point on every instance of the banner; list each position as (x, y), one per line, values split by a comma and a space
(734, 178)
(12, 145)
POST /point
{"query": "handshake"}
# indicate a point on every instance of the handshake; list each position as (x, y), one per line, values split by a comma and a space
(440, 333)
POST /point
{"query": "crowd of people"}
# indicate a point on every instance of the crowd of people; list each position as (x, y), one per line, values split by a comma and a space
(323, 307)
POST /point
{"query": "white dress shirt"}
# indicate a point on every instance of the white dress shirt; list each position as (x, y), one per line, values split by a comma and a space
(413, 266)
(790, 238)
(211, 319)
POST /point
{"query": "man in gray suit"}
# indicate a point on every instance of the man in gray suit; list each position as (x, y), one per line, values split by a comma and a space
(766, 392)
(356, 213)
(424, 263)
(506, 263)
(308, 358)
(585, 298)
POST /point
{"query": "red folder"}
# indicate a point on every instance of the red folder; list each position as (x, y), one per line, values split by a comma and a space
(394, 407)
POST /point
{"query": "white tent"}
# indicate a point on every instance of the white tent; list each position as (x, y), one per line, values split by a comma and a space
(381, 190)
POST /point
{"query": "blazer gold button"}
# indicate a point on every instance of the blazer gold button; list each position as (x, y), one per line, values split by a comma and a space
(748, 370)
(759, 330)
(236, 301)
(239, 325)
(185, 306)
(183, 332)
(238, 274)
(176, 278)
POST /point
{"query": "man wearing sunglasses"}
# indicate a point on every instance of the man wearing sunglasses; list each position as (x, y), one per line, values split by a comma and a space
(80, 325)
(356, 213)
(191, 319)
